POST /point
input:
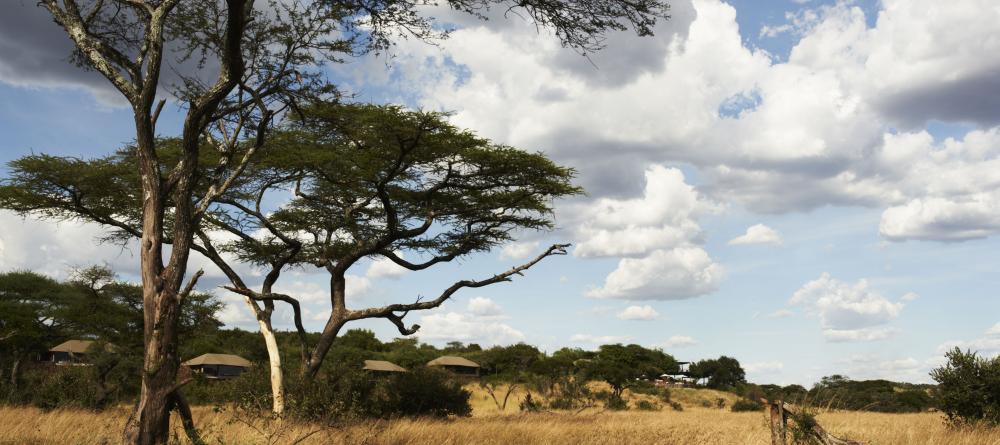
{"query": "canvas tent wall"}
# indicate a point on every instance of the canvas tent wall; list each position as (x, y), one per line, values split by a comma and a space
(218, 366)
(458, 365)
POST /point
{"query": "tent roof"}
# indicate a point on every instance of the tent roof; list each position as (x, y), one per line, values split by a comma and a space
(382, 365)
(218, 359)
(450, 360)
(73, 346)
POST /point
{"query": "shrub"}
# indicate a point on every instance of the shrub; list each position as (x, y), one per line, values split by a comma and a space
(572, 393)
(530, 405)
(968, 390)
(743, 405)
(720, 403)
(644, 387)
(50, 387)
(803, 427)
(665, 395)
(205, 391)
(615, 403)
(355, 394)
(430, 392)
(676, 406)
(646, 405)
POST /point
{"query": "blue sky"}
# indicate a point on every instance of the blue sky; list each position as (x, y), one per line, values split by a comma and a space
(818, 175)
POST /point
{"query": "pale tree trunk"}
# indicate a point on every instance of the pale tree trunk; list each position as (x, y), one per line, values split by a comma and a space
(15, 370)
(274, 360)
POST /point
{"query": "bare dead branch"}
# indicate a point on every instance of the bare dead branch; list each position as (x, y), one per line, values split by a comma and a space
(390, 312)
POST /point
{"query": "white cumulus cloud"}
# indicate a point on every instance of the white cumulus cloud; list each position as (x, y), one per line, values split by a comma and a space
(848, 312)
(385, 268)
(599, 339)
(468, 328)
(679, 341)
(757, 234)
(484, 307)
(518, 250)
(684, 272)
(641, 313)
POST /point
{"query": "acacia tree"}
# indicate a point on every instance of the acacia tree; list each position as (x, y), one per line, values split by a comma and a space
(483, 193)
(257, 64)
(28, 303)
(106, 190)
(621, 366)
(381, 182)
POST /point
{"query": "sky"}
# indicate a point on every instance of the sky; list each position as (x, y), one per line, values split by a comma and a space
(809, 187)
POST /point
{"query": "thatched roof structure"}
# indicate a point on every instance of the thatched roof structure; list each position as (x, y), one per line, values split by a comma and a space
(218, 359)
(73, 346)
(383, 366)
(450, 360)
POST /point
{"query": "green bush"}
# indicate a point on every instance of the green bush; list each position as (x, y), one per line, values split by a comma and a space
(743, 405)
(571, 393)
(646, 405)
(205, 391)
(50, 387)
(355, 394)
(615, 403)
(529, 404)
(644, 387)
(968, 390)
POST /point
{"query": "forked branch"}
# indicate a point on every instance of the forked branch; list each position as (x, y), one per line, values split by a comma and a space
(391, 311)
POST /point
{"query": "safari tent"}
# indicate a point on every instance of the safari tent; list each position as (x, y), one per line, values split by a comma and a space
(382, 367)
(457, 365)
(218, 366)
(70, 352)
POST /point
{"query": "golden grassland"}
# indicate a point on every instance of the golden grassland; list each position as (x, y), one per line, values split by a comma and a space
(488, 425)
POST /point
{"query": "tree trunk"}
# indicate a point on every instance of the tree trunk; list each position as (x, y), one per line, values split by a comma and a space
(338, 317)
(150, 424)
(15, 371)
(274, 359)
(326, 338)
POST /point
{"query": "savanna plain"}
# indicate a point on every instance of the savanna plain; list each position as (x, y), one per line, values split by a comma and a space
(696, 424)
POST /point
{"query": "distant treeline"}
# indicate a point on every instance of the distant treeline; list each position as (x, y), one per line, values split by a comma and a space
(840, 392)
(37, 312)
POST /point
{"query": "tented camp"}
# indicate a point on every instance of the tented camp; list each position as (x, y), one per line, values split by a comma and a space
(382, 367)
(71, 352)
(218, 366)
(457, 365)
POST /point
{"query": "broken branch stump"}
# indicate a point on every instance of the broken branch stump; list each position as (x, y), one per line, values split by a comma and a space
(778, 413)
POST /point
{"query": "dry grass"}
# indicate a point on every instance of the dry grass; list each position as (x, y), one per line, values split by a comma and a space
(695, 425)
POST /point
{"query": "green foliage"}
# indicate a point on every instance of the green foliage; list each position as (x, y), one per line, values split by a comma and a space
(615, 402)
(968, 390)
(572, 393)
(39, 312)
(744, 405)
(840, 392)
(802, 427)
(646, 405)
(622, 366)
(722, 373)
(412, 167)
(529, 404)
(354, 394)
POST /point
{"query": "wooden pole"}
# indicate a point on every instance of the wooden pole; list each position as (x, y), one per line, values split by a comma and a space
(779, 412)
(777, 418)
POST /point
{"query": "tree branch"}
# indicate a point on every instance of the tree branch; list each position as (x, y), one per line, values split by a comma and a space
(389, 312)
